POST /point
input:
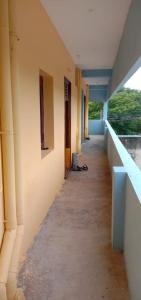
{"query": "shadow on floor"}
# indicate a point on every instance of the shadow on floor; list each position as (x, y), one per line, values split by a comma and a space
(71, 257)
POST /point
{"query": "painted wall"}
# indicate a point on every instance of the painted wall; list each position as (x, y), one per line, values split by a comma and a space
(83, 86)
(130, 45)
(96, 127)
(82, 116)
(118, 156)
(132, 241)
(40, 47)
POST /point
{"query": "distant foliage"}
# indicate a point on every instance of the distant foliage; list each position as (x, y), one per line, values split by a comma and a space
(95, 109)
(125, 112)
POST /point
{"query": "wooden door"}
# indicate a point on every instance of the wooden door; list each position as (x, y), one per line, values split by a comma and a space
(67, 94)
(1, 201)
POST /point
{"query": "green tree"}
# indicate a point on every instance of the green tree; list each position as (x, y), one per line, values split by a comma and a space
(125, 112)
(95, 109)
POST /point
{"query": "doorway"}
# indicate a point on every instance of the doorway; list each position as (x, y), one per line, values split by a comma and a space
(67, 96)
(83, 117)
(2, 229)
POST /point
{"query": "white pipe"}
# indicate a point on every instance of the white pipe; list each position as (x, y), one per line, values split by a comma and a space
(12, 291)
(14, 41)
(5, 254)
(3, 295)
(6, 119)
(11, 245)
(13, 271)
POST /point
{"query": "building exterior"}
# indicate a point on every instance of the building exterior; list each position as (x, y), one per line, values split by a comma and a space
(40, 128)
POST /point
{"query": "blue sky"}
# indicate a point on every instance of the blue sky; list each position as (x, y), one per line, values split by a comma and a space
(135, 81)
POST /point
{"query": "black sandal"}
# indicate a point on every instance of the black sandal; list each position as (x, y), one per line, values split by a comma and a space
(85, 167)
(77, 169)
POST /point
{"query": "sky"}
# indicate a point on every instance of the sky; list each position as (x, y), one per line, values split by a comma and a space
(135, 81)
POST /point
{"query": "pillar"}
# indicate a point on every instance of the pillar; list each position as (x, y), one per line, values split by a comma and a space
(118, 207)
(87, 112)
(105, 110)
(79, 93)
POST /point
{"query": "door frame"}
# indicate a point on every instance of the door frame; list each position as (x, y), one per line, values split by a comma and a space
(83, 116)
(67, 126)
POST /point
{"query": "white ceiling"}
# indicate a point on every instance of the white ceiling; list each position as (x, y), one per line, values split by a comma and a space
(91, 29)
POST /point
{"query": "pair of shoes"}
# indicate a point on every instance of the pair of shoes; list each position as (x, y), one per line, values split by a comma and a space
(78, 169)
(83, 168)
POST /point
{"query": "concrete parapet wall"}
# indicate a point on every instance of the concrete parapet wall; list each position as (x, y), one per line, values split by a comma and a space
(133, 145)
(126, 208)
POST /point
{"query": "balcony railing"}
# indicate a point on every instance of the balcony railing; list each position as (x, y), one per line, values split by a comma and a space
(126, 207)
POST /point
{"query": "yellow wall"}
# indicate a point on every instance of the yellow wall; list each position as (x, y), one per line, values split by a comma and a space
(40, 47)
(84, 86)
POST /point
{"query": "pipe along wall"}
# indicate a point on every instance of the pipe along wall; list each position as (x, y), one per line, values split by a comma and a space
(13, 233)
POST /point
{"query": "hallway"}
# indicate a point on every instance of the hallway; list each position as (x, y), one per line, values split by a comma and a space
(71, 257)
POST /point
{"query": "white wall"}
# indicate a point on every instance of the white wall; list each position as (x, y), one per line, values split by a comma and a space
(130, 45)
(96, 127)
(118, 156)
(132, 240)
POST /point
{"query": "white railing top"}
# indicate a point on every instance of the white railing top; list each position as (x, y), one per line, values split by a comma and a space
(132, 169)
(129, 136)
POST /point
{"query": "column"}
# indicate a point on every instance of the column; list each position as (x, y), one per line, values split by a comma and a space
(79, 93)
(87, 113)
(105, 110)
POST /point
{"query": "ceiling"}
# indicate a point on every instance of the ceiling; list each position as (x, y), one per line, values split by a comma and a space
(90, 29)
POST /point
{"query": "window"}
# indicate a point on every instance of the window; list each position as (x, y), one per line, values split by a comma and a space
(46, 111)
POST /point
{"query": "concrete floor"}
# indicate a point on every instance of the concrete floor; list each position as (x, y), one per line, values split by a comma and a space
(71, 257)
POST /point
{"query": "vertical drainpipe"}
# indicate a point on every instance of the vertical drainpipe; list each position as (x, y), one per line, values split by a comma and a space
(14, 42)
(12, 291)
(10, 250)
(6, 122)
(79, 91)
(6, 116)
(87, 112)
